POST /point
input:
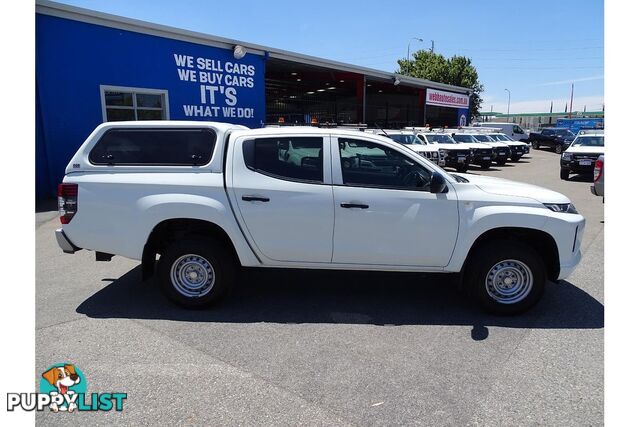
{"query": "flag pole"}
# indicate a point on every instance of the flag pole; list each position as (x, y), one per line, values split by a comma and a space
(571, 104)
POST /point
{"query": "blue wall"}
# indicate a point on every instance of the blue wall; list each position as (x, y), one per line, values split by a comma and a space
(73, 59)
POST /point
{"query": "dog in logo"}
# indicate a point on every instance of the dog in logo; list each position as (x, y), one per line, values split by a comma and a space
(62, 378)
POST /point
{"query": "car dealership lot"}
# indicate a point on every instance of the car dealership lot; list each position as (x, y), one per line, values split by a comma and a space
(331, 347)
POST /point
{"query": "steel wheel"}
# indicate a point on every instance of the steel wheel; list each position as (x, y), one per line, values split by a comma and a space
(192, 275)
(509, 281)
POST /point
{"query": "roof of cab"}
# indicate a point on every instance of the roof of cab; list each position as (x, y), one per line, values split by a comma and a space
(169, 124)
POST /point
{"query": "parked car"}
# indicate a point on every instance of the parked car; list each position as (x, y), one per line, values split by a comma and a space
(481, 154)
(512, 130)
(452, 153)
(551, 137)
(598, 178)
(582, 154)
(501, 150)
(517, 148)
(409, 139)
(195, 200)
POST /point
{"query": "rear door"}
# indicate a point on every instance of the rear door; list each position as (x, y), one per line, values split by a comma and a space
(281, 186)
(384, 215)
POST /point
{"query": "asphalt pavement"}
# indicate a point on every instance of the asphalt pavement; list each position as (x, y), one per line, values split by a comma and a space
(329, 348)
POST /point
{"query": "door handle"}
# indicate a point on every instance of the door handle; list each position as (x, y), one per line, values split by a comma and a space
(354, 205)
(255, 199)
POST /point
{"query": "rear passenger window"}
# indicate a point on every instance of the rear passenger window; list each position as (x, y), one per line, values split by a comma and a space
(289, 158)
(162, 147)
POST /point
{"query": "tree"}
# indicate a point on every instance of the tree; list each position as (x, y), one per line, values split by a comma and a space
(456, 70)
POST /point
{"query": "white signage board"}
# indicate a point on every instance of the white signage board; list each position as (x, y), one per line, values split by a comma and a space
(447, 99)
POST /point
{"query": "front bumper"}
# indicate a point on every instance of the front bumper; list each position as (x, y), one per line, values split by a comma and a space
(567, 269)
(517, 151)
(65, 244)
(575, 166)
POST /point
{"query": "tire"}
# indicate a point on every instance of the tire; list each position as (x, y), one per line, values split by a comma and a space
(462, 169)
(515, 158)
(204, 260)
(558, 149)
(564, 174)
(517, 262)
(535, 145)
(485, 165)
(501, 162)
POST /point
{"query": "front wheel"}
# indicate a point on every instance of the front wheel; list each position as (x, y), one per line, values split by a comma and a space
(196, 272)
(564, 174)
(501, 162)
(485, 165)
(515, 158)
(506, 277)
(462, 168)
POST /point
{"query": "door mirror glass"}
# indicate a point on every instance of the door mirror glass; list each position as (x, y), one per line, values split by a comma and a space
(438, 183)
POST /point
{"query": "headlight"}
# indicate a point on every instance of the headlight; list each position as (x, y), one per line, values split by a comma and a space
(562, 207)
(567, 156)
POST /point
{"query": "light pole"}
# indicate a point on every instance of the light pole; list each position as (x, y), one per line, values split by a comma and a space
(508, 103)
(409, 45)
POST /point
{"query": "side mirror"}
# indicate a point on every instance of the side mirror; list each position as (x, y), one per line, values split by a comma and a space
(438, 183)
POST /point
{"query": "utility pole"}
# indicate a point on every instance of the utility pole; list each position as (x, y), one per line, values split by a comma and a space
(508, 103)
(409, 46)
(571, 102)
(432, 46)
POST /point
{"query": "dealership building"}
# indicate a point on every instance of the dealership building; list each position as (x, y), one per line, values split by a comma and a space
(93, 67)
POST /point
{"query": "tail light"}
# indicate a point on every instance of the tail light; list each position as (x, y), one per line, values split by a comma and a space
(67, 202)
(597, 170)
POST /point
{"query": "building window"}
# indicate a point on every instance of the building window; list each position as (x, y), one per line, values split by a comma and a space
(127, 103)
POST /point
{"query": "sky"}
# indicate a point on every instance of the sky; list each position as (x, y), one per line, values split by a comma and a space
(536, 49)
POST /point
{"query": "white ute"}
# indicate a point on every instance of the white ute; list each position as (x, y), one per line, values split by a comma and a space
(194, 201)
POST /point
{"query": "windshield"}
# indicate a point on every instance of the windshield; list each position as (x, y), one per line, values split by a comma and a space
(460, 137)
(441, 139)
(588, 141)
(500, 137)
(484, 138)
(564, 132)
(405, 139)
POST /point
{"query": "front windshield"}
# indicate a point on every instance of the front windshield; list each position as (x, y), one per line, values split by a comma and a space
(501, 137)
(460, 137)
(405, 139)
(565, 132)
(588, 141)
(484, 138)
(441, 139)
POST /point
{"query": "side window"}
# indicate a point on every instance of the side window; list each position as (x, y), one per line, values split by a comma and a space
(546, 132)
(517, 129)
(368, 164)
(289, 158)
(162, 147)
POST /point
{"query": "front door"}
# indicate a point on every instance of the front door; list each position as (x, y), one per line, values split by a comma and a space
(281, 186)
(384, 213)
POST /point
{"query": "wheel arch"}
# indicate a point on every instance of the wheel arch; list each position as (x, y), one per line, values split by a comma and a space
(170, 230)
(542, 242)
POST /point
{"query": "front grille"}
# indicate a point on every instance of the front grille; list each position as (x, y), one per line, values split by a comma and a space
(581, 156)
(484, 151)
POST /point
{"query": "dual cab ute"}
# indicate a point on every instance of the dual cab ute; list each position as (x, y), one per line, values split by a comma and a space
(555, 138)
(194, 201)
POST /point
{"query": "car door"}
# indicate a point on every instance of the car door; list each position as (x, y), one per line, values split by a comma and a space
(382, 214)
(281, 186)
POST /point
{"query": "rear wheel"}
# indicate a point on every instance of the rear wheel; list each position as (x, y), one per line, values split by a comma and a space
(535, 145)
(558, 148)
(196, 272)
(564, 174)
(506, 277)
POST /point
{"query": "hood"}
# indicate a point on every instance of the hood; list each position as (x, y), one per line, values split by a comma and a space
(505, 187)
(579, 149)
(475, 145)
(421, 148)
